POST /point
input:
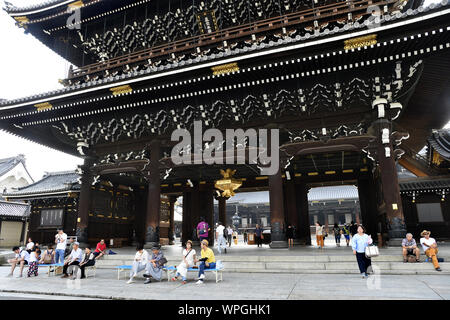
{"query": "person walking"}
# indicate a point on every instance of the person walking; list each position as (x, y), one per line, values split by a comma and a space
(346, 233)
(258, 235)
(202, 229)
(290, 236)
(221, 242)
(189, 257)
(360, 241)
(229, 235)
(319, 235)
(245, 234)
(337, 234)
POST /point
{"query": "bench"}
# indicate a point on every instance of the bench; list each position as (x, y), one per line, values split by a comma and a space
(126, 267)
(172, 269)
(93, 268)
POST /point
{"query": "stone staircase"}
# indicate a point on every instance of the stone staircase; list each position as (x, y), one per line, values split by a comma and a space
(302, 264)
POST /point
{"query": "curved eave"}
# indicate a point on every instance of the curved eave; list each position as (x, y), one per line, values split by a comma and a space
(161, 72)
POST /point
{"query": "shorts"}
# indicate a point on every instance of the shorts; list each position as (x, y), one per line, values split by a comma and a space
(347, 236)
(410, 252)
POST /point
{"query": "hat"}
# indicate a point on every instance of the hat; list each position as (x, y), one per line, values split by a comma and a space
(189, 241)
(424, 232)
(205, 242)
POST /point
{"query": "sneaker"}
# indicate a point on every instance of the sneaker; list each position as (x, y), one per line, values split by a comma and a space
(363, 275)
(130, 281)
(146, 275)
(19, 276)
(417, 260)
(148, 281)
(199, 282)
(201, 277)
(438, 269)
(9, 275)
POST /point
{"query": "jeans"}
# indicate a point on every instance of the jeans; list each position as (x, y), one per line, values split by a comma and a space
(202, 267)
(337, 238)
(59, 256)
(363, 262)
(221, 242)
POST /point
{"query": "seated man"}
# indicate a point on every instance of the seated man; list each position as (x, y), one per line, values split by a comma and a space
(409, 248)
(100, 250)
(429, 245)
(21, 257)
(73, 259)
(139, 263)
(155, 265)
(208, 261)
(87, 261)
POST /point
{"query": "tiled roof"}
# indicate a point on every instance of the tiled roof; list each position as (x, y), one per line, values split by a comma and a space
(9, 7)
(51, 183)
(333, 193)
(424, 183)
(440, 141)
(8, 164)
(110, 80)
(14, 209)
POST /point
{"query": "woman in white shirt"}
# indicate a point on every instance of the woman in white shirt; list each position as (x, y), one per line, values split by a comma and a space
(139, 263)
(319, 234)
(187, 262)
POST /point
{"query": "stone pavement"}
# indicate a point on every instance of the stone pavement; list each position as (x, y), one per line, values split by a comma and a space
(235, 286)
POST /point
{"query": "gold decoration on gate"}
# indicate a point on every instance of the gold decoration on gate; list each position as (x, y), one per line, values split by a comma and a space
(225, 68)
(121, 90)
(75, 5)
(360, 42)
(43, 106)
(228, 184)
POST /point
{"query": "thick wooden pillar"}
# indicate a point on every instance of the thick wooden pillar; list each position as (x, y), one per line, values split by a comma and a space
(222, 210)
(172, 200)
(290, 207)
(206, 209)
(304, 230)
(389, 183)
(368, 205)
(186, 224)
(153, 197)
(84, 203)
(191, 214)
(277, 218)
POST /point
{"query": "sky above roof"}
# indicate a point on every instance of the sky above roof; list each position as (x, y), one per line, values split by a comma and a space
(30, 68)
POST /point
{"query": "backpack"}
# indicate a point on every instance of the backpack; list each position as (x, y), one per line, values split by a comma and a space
(48, 259)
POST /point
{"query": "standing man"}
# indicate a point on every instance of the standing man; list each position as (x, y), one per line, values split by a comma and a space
(245, 236)
(73, 259)
(258, 234)
(61, 243)
(429, 245)
(202, 230)
(220, 238)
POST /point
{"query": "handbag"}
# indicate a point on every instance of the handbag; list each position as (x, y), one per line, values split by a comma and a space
(372, 251)
(162, 261)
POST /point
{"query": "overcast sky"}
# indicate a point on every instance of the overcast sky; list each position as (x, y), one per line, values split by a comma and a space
(28, 67)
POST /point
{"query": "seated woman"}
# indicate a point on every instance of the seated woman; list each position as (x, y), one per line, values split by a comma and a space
(48, 257)
(208, 261)
(155, 265)
(189, 256)
(140, 262)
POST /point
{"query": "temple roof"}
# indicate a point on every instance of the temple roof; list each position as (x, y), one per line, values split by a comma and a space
(440, 141)
(7, 164)
(14, 209)
(11, 8)
(53, 182)
(424, 183)
(309, 39)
